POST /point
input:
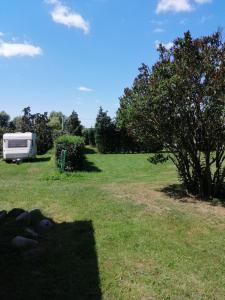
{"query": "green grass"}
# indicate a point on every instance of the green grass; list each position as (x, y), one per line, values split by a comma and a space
(117, 235)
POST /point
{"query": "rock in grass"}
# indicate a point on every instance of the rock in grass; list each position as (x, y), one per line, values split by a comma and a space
(45, 225)
(30, 232)
(35, 216)
(3, 215)
(15, 212)
(23, 219)
(21, 242)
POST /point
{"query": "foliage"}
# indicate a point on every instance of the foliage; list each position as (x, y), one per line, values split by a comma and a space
(56, 120)
(85, 136)
(158, 158)
(4, 119)
(89, 136)
(17, 124)
(5, 126)
(73, 125)
(114, 137)
(39, 124)
(133, 115)
(27, 120)
(105, 133)
(74, 146)
(43, 131)
(1, 140)
(56, 123)
(182, 102)
(56, 133)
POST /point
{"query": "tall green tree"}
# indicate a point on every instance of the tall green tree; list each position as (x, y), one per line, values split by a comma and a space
(105, 133)
(182, 103)
(27, 120)
(44, 132)
(85, 136)
(4, 119)
(39, 124)
(4, 127)
(56, 123)
(73, 125)
(56, 119)
(17, 124)
(91, 136)
(138, 133)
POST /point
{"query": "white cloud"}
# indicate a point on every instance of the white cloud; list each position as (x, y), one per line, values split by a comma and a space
(8, 49)
(64, 15)
(203, 1)
(178, 5)
(1, 33)
(173, 5)
(84, 89)
(53, 2)
(158, 30)
(168, 45)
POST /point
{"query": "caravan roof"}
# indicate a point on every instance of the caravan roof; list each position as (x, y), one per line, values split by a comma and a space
(18, 136)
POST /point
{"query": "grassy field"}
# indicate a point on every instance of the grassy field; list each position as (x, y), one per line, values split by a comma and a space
(122, 233)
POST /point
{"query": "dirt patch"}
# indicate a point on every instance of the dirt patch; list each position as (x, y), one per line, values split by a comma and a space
(138, 193)
(157, 201)
(197, 205)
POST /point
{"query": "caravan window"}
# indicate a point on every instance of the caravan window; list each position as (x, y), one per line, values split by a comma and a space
(17, 143)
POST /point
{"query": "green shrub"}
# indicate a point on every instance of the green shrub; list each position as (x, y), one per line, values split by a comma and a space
(74, 146)
(91, 136)
(85, 136)
(1, 141)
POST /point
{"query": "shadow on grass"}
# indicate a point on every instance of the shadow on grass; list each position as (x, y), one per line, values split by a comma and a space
(176, 191)
(90, 150)
(89, 166)
(38, 159)
(67, 267)
(42, 159)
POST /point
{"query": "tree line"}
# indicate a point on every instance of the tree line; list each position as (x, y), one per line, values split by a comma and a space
(47, 127)
(107, 134)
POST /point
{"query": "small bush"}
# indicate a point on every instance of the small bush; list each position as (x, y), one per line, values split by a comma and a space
(74, 146)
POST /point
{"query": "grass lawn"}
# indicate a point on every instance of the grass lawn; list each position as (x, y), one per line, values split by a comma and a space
(119, 235)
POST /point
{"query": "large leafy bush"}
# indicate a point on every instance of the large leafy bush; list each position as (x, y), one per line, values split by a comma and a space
(181, 102)
(74, 146)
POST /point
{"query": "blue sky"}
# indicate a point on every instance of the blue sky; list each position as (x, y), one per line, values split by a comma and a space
(66, 55)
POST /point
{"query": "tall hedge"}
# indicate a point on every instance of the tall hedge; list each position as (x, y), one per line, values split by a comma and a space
(105, 133)
(1, 141)
(91, 136)
(74, 146)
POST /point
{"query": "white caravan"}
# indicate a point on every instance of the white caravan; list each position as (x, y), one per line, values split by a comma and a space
(19, 146)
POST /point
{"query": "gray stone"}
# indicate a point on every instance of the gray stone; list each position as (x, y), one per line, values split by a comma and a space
(45, 225)
(34, 253)
(23, 219)
(15, 212)
(21, 242)
(35, 216)
(30, 232)
(3, 215)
